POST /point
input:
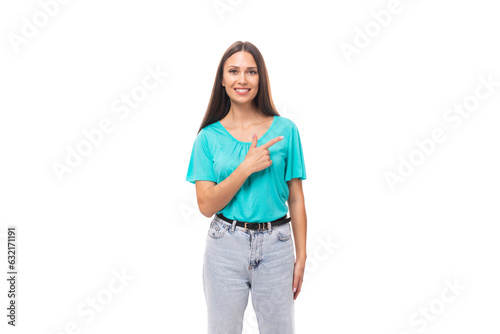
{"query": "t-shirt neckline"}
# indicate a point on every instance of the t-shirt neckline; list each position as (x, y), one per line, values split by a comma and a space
(248, 142)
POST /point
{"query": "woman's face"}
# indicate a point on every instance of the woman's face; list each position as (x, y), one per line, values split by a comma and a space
(240, 71)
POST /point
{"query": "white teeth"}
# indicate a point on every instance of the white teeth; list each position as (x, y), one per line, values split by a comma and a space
(242, 90)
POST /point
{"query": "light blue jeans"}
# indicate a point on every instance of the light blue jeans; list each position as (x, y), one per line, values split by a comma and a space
(237, 261)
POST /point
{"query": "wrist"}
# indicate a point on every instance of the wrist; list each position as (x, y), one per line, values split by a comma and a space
(245, 169)
(301, 258)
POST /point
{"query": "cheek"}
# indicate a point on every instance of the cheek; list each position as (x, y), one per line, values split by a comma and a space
(227, 78)
(255, 84)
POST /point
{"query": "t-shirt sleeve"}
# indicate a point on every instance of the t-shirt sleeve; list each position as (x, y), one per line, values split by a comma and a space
(295, 167)
(201, 164)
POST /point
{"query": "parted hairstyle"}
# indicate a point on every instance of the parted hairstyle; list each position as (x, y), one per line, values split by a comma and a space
(219, 103)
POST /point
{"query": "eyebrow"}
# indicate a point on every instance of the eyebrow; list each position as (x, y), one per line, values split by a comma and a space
(251, 67)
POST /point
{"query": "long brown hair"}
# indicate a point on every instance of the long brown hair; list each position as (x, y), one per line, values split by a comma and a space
(219, 103)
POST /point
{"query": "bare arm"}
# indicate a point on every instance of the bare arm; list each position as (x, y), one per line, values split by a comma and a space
(214, 197)
(296, 204)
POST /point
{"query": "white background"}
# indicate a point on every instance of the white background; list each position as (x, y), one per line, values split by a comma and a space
(376, 257)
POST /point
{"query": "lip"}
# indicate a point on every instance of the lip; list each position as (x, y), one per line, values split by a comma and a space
(242, 93)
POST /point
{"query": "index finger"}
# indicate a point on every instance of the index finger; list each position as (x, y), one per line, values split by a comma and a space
(272, 142)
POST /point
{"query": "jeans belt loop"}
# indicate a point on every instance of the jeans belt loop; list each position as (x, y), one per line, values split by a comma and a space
(234, 226)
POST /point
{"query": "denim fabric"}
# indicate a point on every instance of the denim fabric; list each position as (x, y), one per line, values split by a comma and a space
(237, 261)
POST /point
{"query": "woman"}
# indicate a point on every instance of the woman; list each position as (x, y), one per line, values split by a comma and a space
(247, 162)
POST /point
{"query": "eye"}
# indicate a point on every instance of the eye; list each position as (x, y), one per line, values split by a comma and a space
(231, 71)
(254, 72)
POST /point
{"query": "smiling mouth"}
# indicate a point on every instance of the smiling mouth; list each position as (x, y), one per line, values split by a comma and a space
(242, 91)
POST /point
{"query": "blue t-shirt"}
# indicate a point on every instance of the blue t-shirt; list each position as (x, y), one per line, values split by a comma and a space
(263, 195)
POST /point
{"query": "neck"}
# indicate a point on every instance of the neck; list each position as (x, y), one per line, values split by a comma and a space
(243, 114)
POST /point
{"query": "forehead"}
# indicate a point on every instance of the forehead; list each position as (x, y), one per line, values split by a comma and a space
(241, 59)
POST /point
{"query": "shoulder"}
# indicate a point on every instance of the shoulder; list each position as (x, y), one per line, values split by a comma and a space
(286, 125)
(285, 121)
(208, 131)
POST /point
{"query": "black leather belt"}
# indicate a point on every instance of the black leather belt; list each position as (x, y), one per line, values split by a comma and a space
(256, 226)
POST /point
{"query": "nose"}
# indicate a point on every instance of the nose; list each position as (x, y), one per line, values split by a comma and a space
(242, 78)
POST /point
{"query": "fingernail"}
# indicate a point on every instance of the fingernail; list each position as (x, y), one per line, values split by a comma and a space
(282, 137)
(253, 135)
(294, 289)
